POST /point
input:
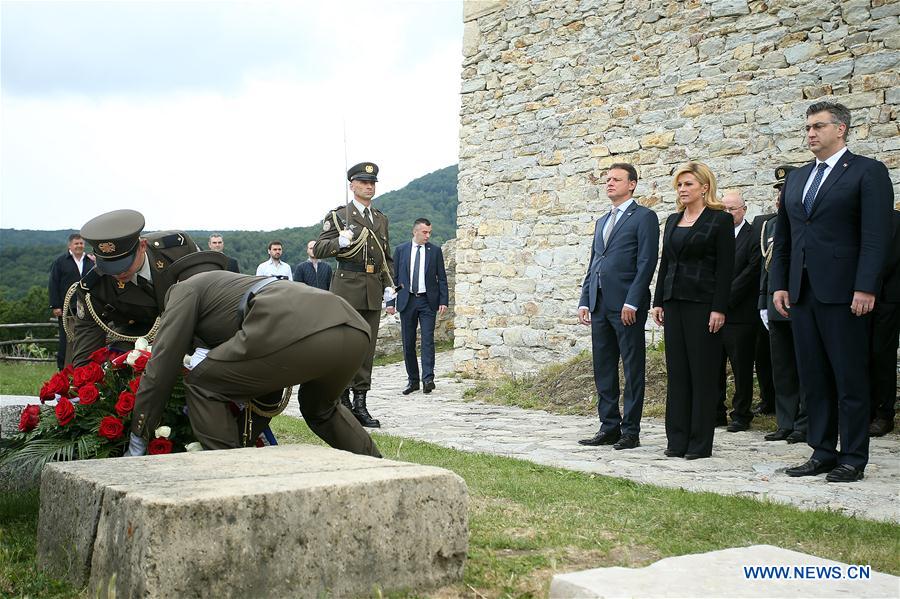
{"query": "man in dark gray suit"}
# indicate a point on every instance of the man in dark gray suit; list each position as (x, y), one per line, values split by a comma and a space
(615, 297)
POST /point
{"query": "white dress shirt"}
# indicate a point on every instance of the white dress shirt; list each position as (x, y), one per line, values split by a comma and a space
(738, 228)
(831, 162)
(270, 268)
(79, 263)
(412, 264)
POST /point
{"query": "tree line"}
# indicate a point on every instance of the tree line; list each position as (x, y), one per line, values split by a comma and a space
(26, 255)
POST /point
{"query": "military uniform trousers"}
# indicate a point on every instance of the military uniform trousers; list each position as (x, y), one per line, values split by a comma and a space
(790, 397)
(323, 363)
(362, 379)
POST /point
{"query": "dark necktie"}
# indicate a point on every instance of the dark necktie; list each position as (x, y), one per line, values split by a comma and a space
(368, 215)
(810, 198)
(144, 284)
(416, 264)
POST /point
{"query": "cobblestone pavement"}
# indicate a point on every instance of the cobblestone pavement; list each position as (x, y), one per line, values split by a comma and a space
(742, 463)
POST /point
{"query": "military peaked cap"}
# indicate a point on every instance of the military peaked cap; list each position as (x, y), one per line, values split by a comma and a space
(114, 237)
(781, 173)
(364, 171)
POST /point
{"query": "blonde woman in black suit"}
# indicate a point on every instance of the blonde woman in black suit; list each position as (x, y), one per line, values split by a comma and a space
(692, 292)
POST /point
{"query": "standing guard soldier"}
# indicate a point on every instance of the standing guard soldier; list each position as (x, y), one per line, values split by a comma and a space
(118, 299)
(356, 235)
(790, 397)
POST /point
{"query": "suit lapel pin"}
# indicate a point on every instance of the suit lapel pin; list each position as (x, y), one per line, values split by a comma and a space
(845, 165)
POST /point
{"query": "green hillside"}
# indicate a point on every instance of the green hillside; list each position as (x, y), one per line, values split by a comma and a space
(26, 255)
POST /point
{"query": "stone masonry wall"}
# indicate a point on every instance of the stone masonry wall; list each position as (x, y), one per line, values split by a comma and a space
(554, 91)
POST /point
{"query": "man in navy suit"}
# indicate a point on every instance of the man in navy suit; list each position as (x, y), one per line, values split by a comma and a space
(615, 298)
(314, 272)
(65, 271)
(831, 241)
(420, 274)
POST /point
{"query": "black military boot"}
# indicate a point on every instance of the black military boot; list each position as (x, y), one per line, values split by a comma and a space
(345, 399)
(360, 411)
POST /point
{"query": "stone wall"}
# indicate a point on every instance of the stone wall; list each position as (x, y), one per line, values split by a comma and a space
(553, 92)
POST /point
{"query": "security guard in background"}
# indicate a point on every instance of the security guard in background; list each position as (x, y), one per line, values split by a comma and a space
(790, 399)
(356, 235)
(118, 299)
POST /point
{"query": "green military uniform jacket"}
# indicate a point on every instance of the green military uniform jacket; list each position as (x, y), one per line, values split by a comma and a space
(125, 307)
(365, 267)
(203, 311)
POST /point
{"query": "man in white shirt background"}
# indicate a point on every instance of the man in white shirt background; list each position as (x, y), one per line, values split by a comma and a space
(274, 267)
(67, 269)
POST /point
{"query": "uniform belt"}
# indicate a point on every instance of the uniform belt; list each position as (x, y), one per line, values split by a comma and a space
(423, 294)
(251, 293)
(352, 267)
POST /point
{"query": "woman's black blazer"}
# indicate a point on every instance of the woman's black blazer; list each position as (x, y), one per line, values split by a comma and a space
(702, 270)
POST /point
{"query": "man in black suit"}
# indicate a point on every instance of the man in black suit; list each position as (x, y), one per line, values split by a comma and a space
(739, 332)
(790, 398)
(314, 272)
(831, 244)
(217, 244)
(615, 297)
(65, 271)
(419, 272)
(885, 338)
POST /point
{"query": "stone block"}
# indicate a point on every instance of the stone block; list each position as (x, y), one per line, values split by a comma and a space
(284, 521)
(721, 574)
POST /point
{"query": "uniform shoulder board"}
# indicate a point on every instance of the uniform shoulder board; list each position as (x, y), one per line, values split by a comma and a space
(167, 239)
(89, 280)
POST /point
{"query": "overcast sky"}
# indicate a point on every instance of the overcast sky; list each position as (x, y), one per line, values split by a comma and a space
(219, 115)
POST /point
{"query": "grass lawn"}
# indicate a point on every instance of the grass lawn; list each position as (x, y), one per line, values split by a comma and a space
(24, 378)
(527, 522)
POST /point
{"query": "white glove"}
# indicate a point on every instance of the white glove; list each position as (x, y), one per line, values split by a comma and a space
(194, 360)
(136, 446)
(345, 238)
(764, 317)
(389, 294)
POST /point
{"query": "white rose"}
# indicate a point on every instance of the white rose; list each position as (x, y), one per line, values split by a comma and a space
(142, 344)
(133, 355)
(163, 431)
(195, 446)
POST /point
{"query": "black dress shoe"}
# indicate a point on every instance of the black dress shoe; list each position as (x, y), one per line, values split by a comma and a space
(428, 387)
(763, 410)
(694, 456)
(880, 427)
(796, 437)
(779, 435)
(410, 388)
(671, 453)
(602, 438)
(736, 427)
(811, 467)
(844, 473)
(627, 442)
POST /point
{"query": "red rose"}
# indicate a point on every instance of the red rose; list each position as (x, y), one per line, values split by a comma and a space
(88, 394)
(100, 356)
(89, 373)
(141, 362)
(65, 411)
(68, 371)
(134, 383)
(125, 403)
(159, 445)
(31, 415)
(111, 428)
(57, 385)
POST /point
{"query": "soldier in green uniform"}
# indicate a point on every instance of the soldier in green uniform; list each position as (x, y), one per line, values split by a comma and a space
(120, 299)
(356, 235)
(242, 353)
(790, 399)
